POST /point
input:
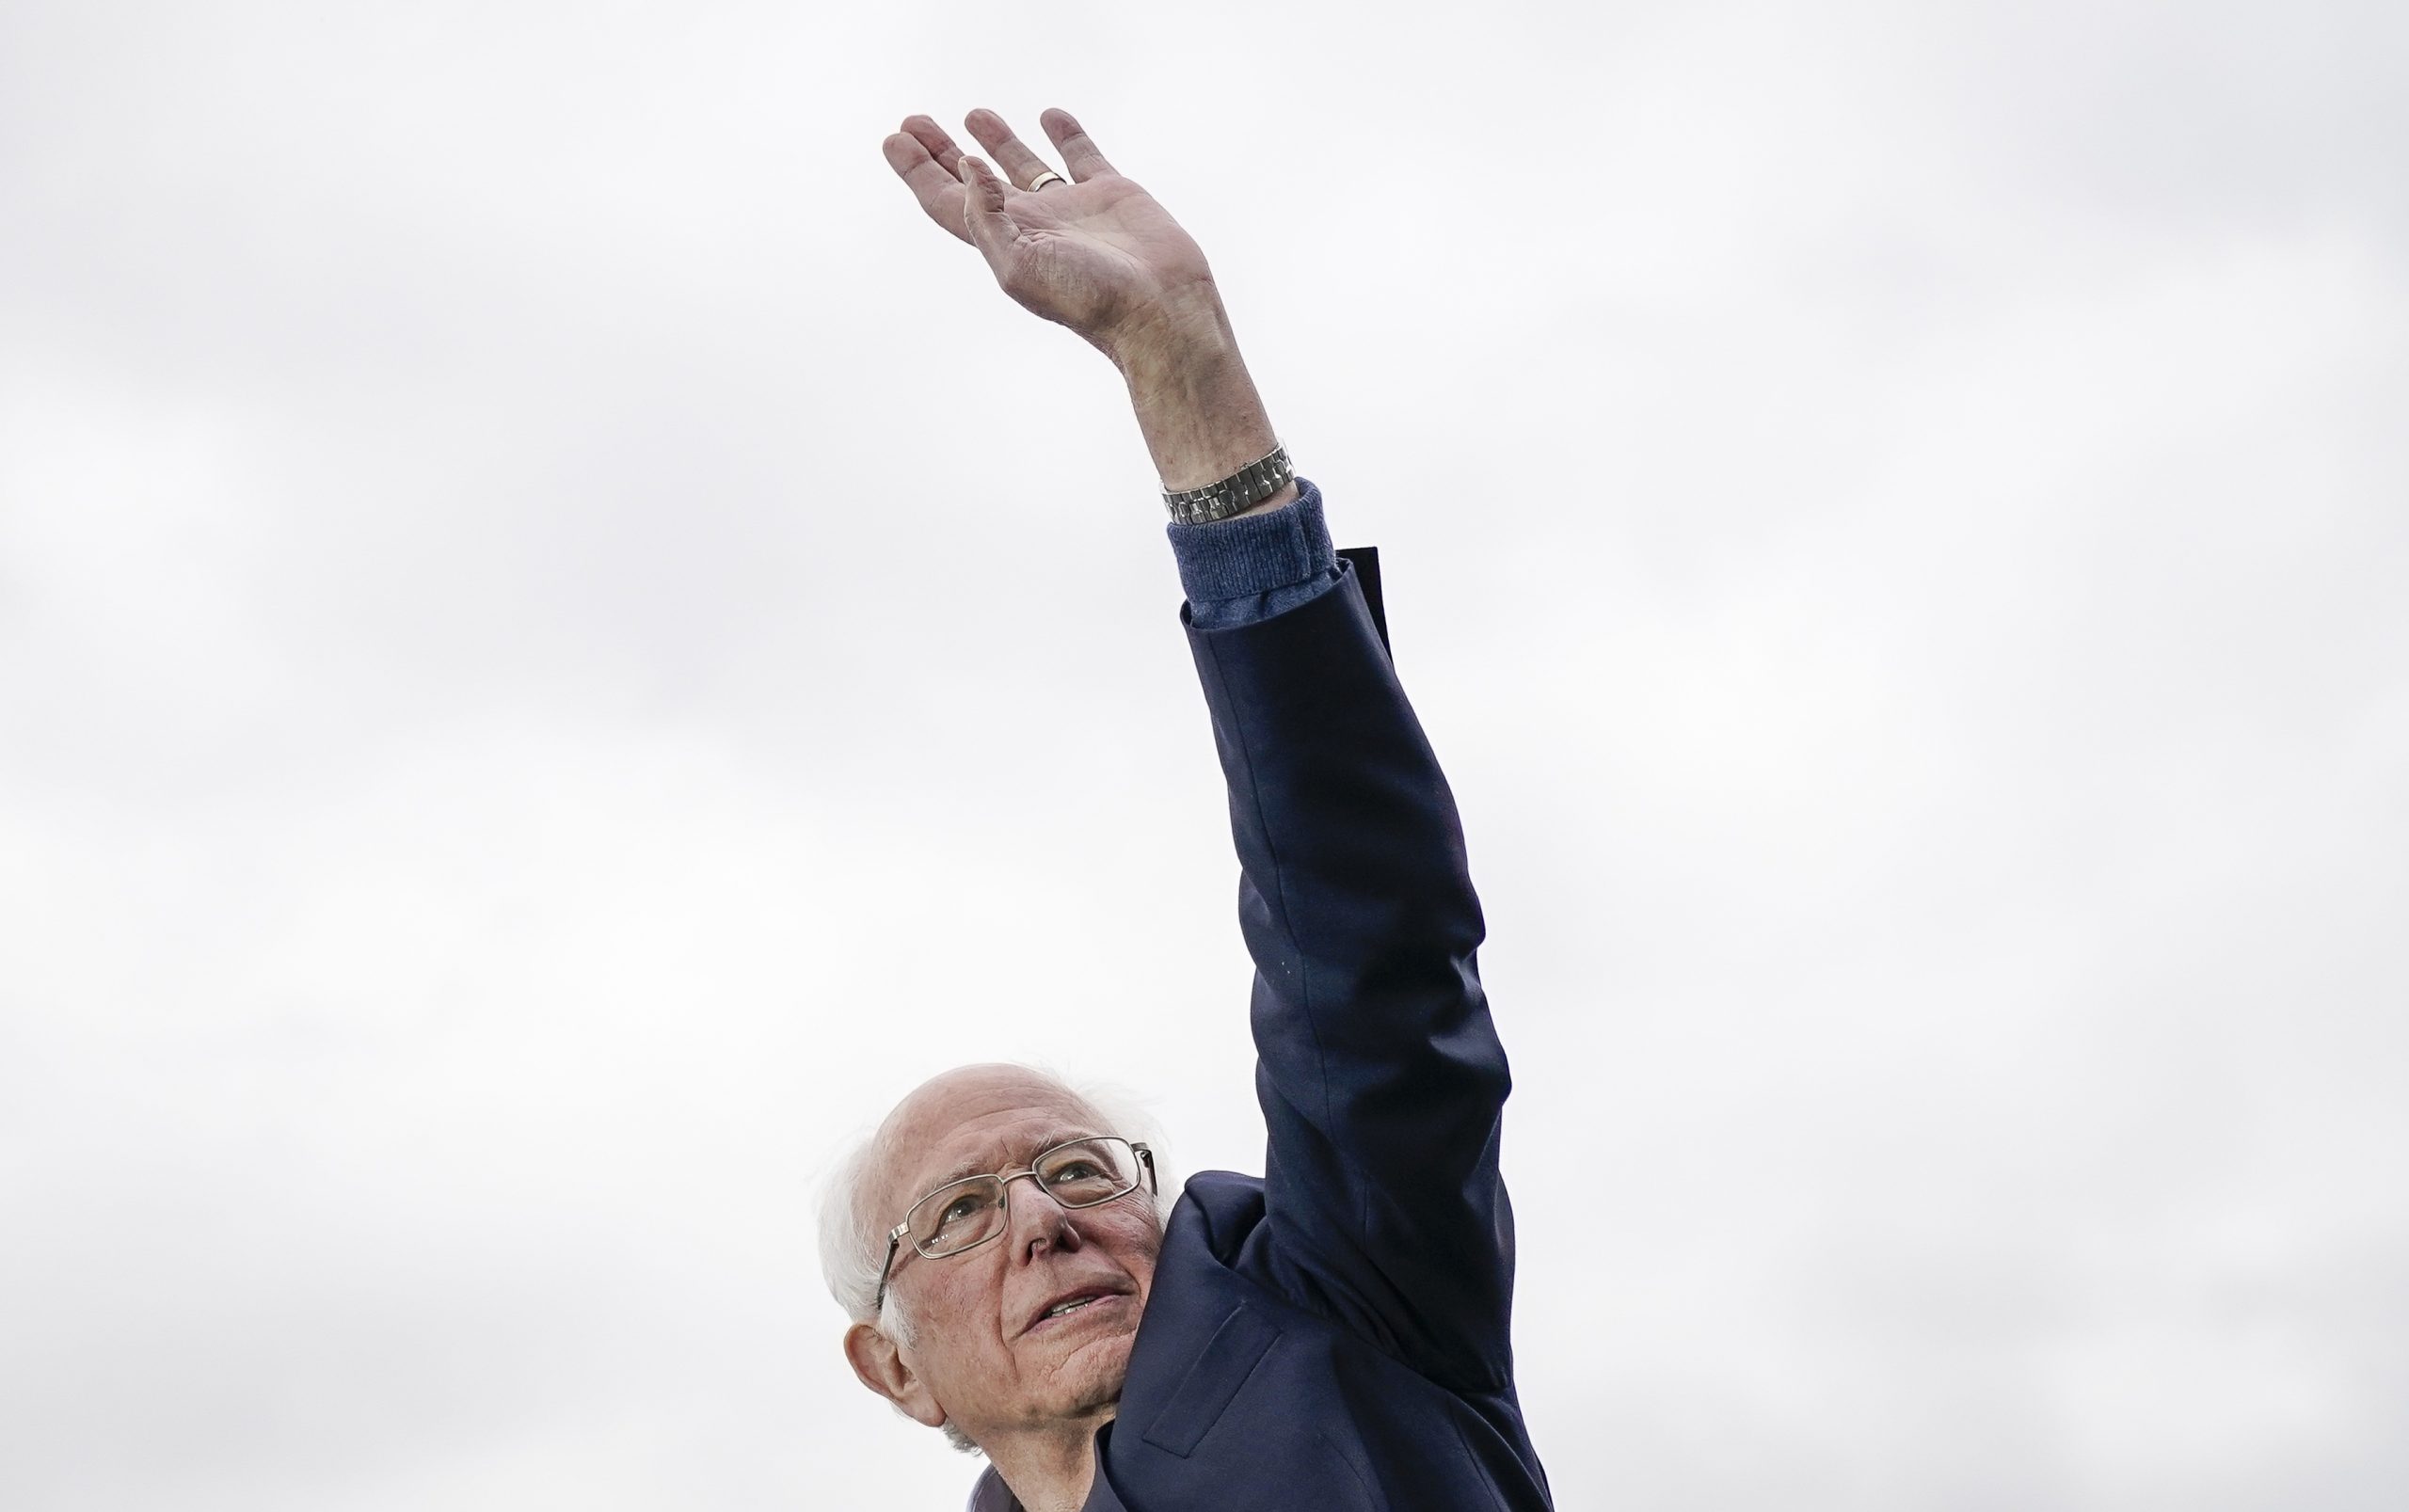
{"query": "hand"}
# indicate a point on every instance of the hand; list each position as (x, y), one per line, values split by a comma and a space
(1096, 254)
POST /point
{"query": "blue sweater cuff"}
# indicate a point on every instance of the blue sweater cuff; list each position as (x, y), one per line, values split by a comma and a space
(1255, 554)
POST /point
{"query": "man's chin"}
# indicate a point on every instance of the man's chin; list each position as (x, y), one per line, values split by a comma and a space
(1097, 1371)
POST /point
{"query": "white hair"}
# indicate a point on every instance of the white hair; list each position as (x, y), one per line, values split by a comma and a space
(852, 1233)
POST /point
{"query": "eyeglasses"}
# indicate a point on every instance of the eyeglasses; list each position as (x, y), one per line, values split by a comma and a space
(961, 1215)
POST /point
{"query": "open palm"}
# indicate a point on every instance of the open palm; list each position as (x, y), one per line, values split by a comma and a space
(1096, 254)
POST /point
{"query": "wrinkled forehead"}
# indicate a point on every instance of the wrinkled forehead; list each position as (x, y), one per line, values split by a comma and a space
(971, 1122)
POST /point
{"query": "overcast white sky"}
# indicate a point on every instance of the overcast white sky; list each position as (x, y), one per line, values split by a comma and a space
(560, 647)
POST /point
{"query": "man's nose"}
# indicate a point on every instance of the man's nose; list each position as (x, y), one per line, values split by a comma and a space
(1033, 1222)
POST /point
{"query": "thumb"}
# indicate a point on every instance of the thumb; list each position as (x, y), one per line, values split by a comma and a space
(983, 206)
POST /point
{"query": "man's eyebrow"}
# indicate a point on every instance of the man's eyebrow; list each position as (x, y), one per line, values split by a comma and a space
(988, 1166)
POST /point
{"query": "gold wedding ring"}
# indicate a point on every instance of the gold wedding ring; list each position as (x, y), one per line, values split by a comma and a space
(1049, 176)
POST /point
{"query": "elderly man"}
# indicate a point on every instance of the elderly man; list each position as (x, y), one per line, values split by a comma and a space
(1331, 1335)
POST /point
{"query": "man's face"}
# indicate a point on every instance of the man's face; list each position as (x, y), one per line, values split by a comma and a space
(984, 1355)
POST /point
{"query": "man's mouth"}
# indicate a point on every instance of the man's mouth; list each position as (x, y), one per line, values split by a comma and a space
(1074, 1302)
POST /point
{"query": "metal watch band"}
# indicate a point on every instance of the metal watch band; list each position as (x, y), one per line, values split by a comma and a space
(1234, 495)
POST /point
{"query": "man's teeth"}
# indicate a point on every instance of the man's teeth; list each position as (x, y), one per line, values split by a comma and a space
(1068, 1307)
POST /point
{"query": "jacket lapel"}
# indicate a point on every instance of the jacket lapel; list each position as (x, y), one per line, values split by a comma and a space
(1101, 1496)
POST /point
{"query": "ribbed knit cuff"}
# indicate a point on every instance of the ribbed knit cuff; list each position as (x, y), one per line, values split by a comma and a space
(1253, 553)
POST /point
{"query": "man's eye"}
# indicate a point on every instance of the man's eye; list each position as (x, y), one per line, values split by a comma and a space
(961, 1207)
(1075, 1170)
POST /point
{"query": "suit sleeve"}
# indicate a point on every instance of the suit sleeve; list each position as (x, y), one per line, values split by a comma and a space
(1380, 1075)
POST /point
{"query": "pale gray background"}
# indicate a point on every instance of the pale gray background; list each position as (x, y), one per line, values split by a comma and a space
(560, 647)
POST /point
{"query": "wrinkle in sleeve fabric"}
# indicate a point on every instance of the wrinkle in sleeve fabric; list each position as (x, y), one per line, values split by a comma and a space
(1380, 1075)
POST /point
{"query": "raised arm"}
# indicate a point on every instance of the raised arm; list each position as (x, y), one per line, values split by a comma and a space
(1380, 1076)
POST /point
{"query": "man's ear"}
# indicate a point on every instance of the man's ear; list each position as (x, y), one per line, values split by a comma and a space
(880, 1365)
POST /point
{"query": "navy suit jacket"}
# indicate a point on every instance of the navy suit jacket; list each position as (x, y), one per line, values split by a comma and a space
(1333, 1335)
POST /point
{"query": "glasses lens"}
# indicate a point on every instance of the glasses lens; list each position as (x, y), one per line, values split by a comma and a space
(957, 1217)
(1088, 1171)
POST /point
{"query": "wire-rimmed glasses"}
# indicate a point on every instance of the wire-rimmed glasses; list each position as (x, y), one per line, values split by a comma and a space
(962, 1215)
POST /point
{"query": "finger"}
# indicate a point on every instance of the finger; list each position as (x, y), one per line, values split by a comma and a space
(1079, 154)
(925, 130)
(934, 184)
(1011, 154)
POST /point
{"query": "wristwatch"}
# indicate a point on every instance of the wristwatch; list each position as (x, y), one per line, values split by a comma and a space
(1234, 495)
